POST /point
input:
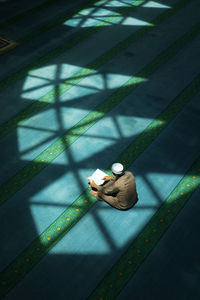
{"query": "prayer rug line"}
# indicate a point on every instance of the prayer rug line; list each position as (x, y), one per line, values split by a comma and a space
(49, 98)
(15, 183)
(37, 249)
(127, 265)
(66, 46)
(130, 6)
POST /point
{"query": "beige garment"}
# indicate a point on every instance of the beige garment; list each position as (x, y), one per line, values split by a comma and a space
(120, 193)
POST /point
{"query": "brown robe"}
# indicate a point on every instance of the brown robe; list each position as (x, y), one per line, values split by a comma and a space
(120, 193)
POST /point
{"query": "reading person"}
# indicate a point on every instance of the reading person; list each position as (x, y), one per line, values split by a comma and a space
(119, 191)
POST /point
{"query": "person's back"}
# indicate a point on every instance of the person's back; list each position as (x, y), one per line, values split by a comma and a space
(120, 192)
(127, 195)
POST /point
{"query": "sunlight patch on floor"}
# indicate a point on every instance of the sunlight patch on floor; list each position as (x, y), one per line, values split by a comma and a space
(133, 219)
(95, 142)
(43, 215)
(90, 244)
(158, 181)
(131, 125)
(130, 21)
(93, 84)
(154, 4)
(30, 150)
(42, 80)
(35, 87)
(91, 16)
(115, 3)
(89, 22)
(105, 231)
(45, 72)
(108, 81)
(88, 17)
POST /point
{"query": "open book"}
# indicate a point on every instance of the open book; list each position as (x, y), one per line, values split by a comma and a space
(97, 177)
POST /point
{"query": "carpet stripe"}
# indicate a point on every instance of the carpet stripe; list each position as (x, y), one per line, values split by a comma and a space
(121, 272)
(26, 174)
(12, 274)
(91, 68)
(65, 46)
(65, 18)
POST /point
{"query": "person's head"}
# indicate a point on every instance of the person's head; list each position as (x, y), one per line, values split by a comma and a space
(117, 169)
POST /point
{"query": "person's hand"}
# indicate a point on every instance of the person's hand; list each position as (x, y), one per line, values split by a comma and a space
(93, 193)
(107, 178)
(92, 184)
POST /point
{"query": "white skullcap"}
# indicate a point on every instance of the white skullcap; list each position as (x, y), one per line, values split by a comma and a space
(117, 168)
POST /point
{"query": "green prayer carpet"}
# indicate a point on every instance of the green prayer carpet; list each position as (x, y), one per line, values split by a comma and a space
(91, 83)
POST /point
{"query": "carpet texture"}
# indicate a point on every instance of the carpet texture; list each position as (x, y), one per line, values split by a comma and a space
(89, 84)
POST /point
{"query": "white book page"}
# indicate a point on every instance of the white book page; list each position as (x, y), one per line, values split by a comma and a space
(97, 177)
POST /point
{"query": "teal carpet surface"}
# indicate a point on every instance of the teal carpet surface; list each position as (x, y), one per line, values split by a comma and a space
(92, 83)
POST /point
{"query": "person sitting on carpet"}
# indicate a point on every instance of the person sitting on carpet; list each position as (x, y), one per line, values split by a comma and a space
(119, 191)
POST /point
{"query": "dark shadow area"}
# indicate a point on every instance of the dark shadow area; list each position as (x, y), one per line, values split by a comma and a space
(175, 261)
(15, 11)
(40, 43)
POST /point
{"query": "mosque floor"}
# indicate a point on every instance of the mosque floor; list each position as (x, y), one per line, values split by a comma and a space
(90, 83)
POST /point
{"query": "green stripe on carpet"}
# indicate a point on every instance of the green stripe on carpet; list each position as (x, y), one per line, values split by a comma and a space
(45, 100)
(119, 275)
(69, 44)
(15, 183)
(11, 275)
(65, 18)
